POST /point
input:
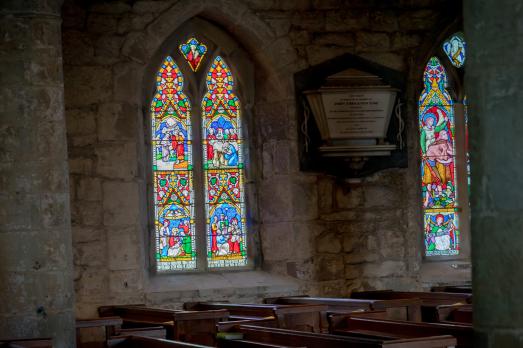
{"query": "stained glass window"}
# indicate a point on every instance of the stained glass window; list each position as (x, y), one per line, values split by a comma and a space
(224, 166)
(455, 49)
(172, 171)
(436, 126)
(193, 51)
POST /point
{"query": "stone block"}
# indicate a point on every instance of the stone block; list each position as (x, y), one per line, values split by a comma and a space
(90, 254)
(129, 281)
(372, 42)
(87, 85)
(348, 198)
(117, 121)
(336, 39)
(344, 20)
(318, 54)
(107, 49)
(300, 37)
(92, 283)
(329, 267)
(384, 21)
(82, 234)
(277, 241)
(128, 84)
(402, 41)
(100, 23)
(304, 234)
(80, 165)
(78, 48)
(360, 256)
(275, 201)
(86, 213)
(305, 200)
(123, 252)
(120, 204)
(328, 243)
(80, 121)
(117, 160)
(417, 20)
(309, 20)
(89, 189)
(143, 7)
(384, 269)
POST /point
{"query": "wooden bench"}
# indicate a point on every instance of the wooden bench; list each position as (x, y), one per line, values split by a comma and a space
(464, 289)
(198, 327)
(455, 313)
(149, 342)
(404, 309)
(319, 340)
(429, 300)
(312, 318)
(27, 343)
(387, 329)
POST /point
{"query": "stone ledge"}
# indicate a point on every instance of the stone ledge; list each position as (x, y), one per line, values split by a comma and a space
(242, 282)
(447, 272)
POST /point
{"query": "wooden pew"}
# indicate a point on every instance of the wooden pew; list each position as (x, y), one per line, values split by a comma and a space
(27, 343)
(319, 340)
(188, 326)
(312, 318)
(464, 289)
(112, 326)
(388, 329)
(429, 300)
(408, 308)
(149, 342)
(455, 314)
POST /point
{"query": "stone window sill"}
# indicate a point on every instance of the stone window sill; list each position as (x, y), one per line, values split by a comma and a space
(220, 285)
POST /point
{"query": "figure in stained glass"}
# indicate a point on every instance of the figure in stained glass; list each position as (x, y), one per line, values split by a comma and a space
(193, 51)
(224, 169)
(455, 49)
(437, 155)
(172, 165)
(441, 234)
(437, 146)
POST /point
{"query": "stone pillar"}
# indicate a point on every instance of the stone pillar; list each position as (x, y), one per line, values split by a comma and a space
(494, 84)
(36, 268)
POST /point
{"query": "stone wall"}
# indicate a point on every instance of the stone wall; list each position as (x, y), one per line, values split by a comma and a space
(317, 233)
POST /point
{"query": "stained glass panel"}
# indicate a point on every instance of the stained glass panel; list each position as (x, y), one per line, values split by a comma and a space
(436, 125)
(193, 51)
(172, 171)
(223, 164)
(455, 49)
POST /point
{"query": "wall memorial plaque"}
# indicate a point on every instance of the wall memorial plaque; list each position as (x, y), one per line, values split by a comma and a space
(358, 113)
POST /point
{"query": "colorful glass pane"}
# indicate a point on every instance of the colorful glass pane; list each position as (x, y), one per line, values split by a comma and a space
(436, 126)
(467, 153)
(455, 49)
(223, 164)
(193, 51)
(172, 171)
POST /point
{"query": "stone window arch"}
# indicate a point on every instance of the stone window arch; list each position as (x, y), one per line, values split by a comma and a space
(445, 170)
(198, 213)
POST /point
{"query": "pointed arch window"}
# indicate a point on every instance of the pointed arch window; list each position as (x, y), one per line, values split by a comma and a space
(199, 204)
(445, 169)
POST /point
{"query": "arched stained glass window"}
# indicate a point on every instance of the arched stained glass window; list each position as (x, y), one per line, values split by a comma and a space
(223, 163)
(199, 193)
(437, 143)
(172, 171)
(455, 49)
